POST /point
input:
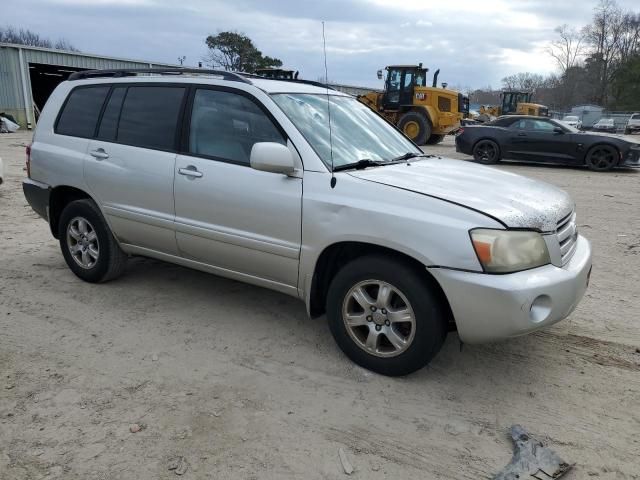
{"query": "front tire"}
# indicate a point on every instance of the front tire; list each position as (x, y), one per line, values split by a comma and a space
(385, 316)
(486, 152)
(415, 126)
(87, 244)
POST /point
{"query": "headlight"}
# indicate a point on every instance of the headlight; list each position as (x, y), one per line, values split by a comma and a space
(506, 251)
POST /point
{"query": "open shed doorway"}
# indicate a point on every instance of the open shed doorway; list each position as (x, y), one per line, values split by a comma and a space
(44, 79)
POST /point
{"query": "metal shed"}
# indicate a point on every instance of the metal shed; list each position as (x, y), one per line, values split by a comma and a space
(28, 75)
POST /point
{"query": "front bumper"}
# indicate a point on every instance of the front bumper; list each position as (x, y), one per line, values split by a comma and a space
(632, 159)
(496, 307)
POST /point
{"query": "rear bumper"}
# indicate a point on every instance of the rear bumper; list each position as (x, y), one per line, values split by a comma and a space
(462, 145)
(496, 307)
(37, 194)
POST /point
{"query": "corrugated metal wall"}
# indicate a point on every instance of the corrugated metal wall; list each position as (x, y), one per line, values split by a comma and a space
(11, 94)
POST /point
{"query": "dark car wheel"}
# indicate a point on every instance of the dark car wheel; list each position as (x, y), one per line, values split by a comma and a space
(602, 158)
(415, 126)
(487, 152)
(384, 315)
(434, 139)
(87, 244)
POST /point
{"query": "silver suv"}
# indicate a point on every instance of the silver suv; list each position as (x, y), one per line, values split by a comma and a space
(242, 177)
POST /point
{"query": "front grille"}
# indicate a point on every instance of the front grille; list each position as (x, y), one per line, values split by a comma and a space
(567, 233)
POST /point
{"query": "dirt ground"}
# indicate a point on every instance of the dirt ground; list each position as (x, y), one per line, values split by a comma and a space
(241, 383)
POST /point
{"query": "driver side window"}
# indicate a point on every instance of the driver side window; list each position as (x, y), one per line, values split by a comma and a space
(225, 126)
(533, 125)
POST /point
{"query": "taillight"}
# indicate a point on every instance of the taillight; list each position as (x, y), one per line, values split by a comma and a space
(460, 131)
(28, 151)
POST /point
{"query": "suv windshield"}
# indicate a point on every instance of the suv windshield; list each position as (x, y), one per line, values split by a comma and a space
(357, 132)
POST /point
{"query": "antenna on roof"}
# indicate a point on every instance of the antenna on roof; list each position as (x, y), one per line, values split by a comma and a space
(326, 81)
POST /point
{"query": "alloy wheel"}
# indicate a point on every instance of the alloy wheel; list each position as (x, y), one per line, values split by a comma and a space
(379, 318)
(82, 241)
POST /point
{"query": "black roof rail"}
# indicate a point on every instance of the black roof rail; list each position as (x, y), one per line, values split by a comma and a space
(292, 80)
(131, 72)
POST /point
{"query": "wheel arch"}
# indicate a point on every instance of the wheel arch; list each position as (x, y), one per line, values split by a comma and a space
(59, 198)
(337, 255)
(493, 139)
(600, 144)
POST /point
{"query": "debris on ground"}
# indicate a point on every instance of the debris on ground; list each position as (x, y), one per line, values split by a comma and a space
(135, 427)
(531, 459)
(179, 465)
(346, 464)
(154, 357)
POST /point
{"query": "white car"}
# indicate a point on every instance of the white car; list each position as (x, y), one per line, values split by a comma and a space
(572, 121)
(605, 125)
(241, 176)
(633, 124)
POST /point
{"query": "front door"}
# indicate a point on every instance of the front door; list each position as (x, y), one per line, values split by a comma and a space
(130, 165)
(244, 222)
(535, 140)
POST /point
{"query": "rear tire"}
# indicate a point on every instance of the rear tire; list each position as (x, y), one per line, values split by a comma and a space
(486, 152)
(434, 139)
(385, 316)
(602, 158)
(87, 244)
(415, 126)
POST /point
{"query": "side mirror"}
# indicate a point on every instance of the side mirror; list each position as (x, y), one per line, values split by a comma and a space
(271, 157)
(379, 74)
(558, 130)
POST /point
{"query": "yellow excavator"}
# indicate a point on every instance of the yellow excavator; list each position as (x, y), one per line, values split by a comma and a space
(424, 114)
(513, 103)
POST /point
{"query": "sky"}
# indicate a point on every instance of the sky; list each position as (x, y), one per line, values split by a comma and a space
(474, 43)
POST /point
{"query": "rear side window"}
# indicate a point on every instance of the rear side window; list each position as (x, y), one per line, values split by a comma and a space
(109, 124)
(149, 117)
(225, 126)
(80, 113)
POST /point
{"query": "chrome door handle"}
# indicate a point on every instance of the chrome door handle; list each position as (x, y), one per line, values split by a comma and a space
(190, 171)
(522, 134)
(99, 154)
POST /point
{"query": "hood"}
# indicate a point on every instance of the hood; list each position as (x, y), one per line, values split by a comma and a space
(515, 201)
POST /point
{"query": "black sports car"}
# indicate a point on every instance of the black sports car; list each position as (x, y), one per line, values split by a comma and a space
(539, 139)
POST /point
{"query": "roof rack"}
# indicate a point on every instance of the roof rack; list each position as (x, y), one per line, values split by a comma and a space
(132, 72)
(292, 80)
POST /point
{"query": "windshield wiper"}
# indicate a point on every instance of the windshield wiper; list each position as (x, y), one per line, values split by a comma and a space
(409, 155)
(359, 165)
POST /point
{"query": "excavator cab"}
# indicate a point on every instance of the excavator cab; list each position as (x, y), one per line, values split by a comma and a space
(398, 88)
(511, 100)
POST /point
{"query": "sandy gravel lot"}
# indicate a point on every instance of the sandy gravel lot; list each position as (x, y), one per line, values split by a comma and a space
(241, 383)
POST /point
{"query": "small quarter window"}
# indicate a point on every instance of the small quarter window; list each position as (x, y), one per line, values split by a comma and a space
(80, 113)
(109, 123)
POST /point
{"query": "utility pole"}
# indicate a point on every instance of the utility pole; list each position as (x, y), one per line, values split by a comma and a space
(181, 60)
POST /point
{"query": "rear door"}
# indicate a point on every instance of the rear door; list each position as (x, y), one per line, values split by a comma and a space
(130, 164)
(246, 223)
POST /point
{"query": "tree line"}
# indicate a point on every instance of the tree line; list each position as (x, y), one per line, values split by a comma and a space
(23, 36)
(597, 64)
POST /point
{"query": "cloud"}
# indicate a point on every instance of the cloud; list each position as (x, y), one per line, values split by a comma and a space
(473, 43)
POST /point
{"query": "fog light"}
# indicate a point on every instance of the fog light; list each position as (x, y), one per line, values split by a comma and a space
(540, 309)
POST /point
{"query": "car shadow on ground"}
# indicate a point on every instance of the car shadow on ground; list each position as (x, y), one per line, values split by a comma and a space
(254, 311)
